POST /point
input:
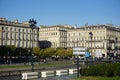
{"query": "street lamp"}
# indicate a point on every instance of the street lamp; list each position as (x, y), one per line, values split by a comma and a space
(91, 36)
(115, 54)
(116, 39)
(20, 55)
(32, 24)
(8, 58)
(2, 37)
(109, 48)
(78, 71)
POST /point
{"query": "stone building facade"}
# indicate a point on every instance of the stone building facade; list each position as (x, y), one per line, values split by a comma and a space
(105, 39)
(56, 35)
(18, 34)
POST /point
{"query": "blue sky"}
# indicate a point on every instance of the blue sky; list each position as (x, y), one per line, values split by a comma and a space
(53, 12)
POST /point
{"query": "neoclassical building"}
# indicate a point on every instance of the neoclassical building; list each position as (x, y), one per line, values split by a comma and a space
(18, 34)
(105, 39)
(56, 36)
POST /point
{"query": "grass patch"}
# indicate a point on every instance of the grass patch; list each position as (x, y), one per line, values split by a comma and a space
(56, 64)
(18, 66)
(97, 78)
(14, 66)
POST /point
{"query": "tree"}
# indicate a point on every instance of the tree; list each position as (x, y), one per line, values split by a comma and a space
(36, 50)
(42, 54)
(87, 50)
(61, 52)
(11, 49)
(49, 52)
(21, 52)
(70, 52)
(3, 53)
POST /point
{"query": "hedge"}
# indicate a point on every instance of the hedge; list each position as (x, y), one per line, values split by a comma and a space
(103, 69)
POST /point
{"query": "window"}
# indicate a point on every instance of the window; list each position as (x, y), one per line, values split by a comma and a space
(14, 29)
(2, 28)
(6, 35)
(56, 33)
(100, 37)
(104, 37)
(69, 34)
(14, 35)
(73, 34)
(19, 30)
(6, 28)
(11, 29)
(29, 31)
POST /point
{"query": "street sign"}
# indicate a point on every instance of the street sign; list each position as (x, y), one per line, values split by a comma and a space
(82, 53)
(79, 51)
(87, 54)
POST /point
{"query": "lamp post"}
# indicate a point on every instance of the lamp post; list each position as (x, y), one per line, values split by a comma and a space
(91, 36)
(2, 43)
(115, 54)
(109, 48)
(32, 24)
(116, 39)
(2, 37)
(8, 58)
(78, 71)
(20, 55)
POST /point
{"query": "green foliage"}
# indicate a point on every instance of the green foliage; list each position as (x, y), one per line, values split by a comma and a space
(70, 52)
(3, 50)
(97, 78)
(36, 50)
(87, 50)
(24, 66)
(116, 70)
(102, 70)
(61, 52)
(42, 54)
(49, 52)
(11, 47)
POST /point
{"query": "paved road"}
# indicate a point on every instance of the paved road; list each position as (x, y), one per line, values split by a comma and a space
(65, 77)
